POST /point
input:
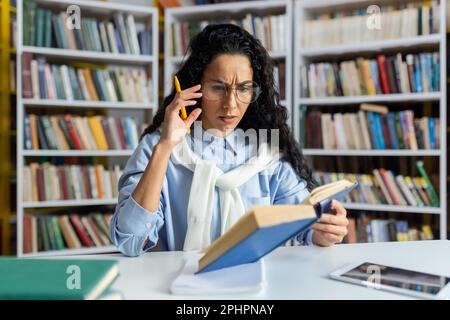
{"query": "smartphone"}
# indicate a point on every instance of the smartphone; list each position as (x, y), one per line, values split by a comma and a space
(389, 278)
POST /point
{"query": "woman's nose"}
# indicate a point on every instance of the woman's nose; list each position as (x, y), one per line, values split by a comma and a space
(230, 101)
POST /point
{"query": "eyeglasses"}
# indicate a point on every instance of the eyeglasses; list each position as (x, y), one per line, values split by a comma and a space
(246, 92)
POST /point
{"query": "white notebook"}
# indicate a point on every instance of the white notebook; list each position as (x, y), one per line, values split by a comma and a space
(245, 278)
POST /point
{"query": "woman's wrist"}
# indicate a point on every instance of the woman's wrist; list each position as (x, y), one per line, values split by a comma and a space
(164, 146)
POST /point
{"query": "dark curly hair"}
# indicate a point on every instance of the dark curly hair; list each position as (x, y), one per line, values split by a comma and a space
(266, 112)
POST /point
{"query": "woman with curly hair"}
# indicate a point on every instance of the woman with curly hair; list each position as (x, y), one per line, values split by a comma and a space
(182, 189)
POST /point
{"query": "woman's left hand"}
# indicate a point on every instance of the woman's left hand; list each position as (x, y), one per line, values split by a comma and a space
(331, 228)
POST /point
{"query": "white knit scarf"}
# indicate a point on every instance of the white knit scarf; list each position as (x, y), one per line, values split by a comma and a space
(205, 178)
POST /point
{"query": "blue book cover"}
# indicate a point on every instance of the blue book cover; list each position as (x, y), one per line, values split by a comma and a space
(373, 129)
(265, 228)
(436, 71)
(77, 93)
(418, 74)
(390, 117)
(60, 94)
(379, 131)
(375, 76)
(41, 76)
(432, 133)
(118, 41)
(28, 145)
(425, 62)
(129, 132)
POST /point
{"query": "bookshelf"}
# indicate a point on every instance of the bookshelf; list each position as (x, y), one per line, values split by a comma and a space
(99, 11)
(235, 10)
(303, 56)
(6, 170)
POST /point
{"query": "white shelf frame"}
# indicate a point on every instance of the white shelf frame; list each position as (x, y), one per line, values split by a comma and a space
(434, 40)
(69, 203)
(148, 61)
(372, 153)
(87, 55)
(86, 104)
(391, 208)
(373, 46)
(77, 153)
(173, 15)
(394, 98)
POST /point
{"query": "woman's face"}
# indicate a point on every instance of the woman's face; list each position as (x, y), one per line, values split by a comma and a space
(222, 111)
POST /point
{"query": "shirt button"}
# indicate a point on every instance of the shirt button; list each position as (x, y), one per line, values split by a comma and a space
(149, 225)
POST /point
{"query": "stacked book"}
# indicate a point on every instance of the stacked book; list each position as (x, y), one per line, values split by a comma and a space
(47, 182)
(270, 30)
(58, 232)
(384, 75)
(363, 229)
(42, 80)
(71, 132)
(121, 34)
(385, 187)
(371, 23)
(373, 127)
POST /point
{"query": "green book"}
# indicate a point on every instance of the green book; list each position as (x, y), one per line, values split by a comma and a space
(43, 234)
(40, 16)
(430, 189)
(48, 28)
(51, 233)
(56, 279)
(58, 235)
(26, 24)
(32, 23)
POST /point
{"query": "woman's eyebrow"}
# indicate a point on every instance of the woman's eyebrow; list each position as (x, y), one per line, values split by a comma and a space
(221, 81)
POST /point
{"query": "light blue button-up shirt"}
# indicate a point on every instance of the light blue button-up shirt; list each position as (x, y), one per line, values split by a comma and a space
(135, 230)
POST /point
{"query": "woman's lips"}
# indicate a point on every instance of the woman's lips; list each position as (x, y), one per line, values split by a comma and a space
(228, 119)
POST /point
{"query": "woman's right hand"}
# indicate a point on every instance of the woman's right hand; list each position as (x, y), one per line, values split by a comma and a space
(174, 128)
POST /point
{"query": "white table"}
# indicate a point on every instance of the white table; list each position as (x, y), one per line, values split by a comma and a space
(292, 272)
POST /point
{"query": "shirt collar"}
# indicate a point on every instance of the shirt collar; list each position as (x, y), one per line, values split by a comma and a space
(231, 142)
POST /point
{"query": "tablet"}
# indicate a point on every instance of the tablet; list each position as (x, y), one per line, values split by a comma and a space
(393, 279)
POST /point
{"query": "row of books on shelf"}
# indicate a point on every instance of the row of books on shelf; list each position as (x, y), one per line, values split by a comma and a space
(121, 34)
(42, 80)
(58, 232)
(373, 127)
(70, 132)
(365, 228)
(270, 30)
(384, 75)
(385, 187)
(371, 23)
(48, 182)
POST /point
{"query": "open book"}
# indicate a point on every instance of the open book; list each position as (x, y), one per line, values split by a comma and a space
(264, 228)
